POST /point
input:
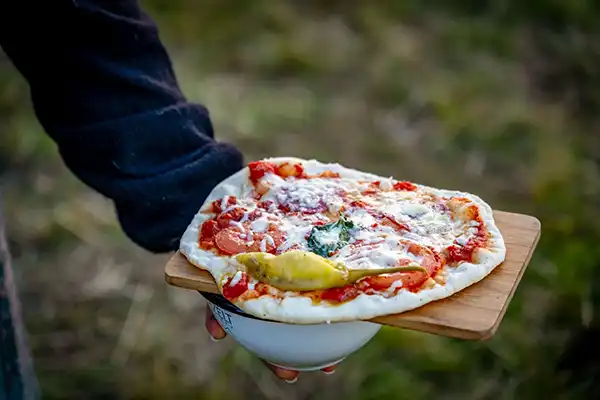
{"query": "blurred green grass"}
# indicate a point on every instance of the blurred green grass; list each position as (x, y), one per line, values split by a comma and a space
(499, 98)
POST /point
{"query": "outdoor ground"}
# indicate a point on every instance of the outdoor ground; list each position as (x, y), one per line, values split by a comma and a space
(499, 98)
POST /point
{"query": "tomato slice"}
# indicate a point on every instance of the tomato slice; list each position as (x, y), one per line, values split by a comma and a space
(410, 280)
(432, 262)
(339, 295)
(231, 241)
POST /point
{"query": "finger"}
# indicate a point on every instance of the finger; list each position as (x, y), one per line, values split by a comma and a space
(288, 375)
(212, 326)
(329, 370)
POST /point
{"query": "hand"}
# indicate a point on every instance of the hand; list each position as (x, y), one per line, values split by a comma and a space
(216, 332)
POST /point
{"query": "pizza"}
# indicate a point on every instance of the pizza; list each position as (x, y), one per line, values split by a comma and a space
(303, 241)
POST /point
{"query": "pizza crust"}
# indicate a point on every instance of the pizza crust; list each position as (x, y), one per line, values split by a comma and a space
(301, 310)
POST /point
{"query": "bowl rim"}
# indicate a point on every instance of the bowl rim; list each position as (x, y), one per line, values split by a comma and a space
(222, 302)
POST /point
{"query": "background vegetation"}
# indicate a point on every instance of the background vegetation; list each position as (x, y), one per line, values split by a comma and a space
(496, 97)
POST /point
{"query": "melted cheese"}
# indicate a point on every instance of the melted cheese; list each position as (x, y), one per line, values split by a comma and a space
(224, 202)
(407, 209)
(308, 194)
(373, 243)
(236, 278)
(260, 225)
(327, 237)
(362, 218)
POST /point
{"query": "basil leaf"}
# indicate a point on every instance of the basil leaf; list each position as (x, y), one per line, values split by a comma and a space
(325, 239)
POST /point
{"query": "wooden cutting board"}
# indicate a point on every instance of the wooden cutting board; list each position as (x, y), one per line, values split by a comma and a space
(474, 313)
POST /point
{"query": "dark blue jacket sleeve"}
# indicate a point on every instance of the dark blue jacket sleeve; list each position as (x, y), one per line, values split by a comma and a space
(103, 88)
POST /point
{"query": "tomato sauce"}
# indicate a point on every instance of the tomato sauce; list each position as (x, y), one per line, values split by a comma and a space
(207, 233)
(391, 222)
(232, 292)
(297, 207)
(405, 185)
(265, 205)
(340, 295)
(258, 169)
(224, 220)
(358, 204)
(216, 205)
(458, 253)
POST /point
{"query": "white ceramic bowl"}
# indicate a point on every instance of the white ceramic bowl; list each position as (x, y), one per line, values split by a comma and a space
(299, 347)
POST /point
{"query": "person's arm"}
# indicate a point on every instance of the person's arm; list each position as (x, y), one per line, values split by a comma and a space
(103, 88)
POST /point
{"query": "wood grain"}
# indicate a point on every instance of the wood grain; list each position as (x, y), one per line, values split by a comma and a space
(474, 313)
